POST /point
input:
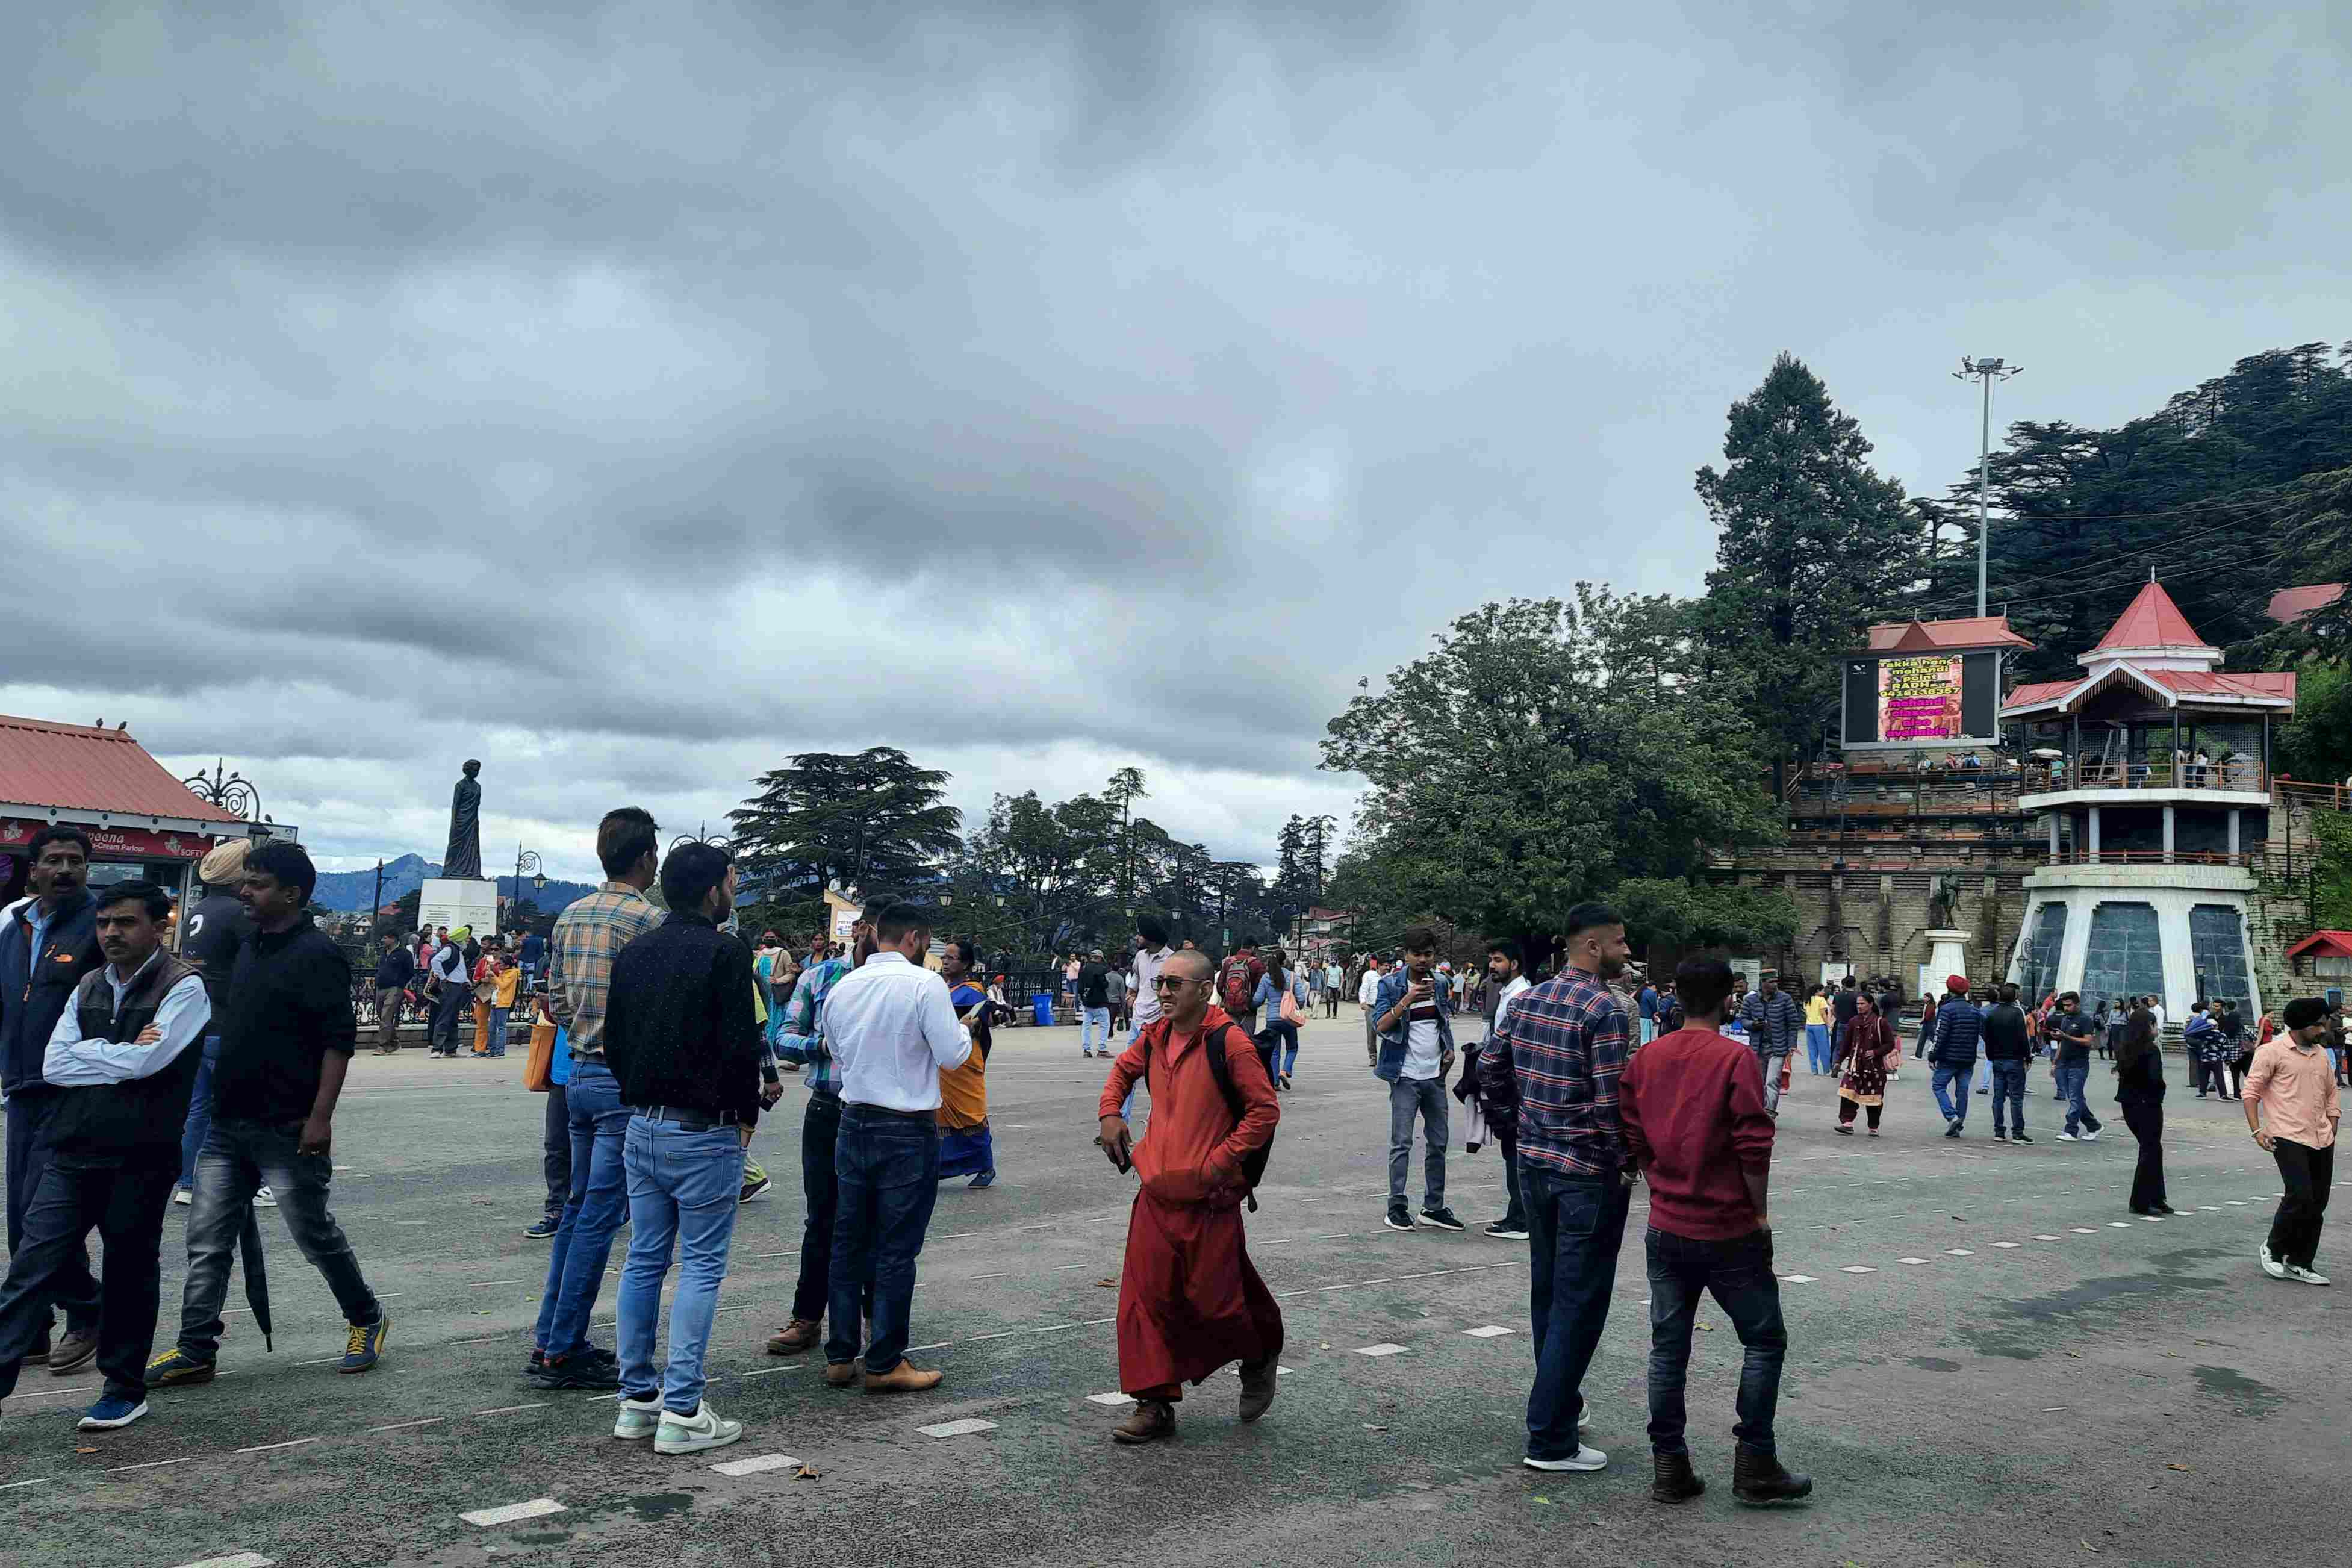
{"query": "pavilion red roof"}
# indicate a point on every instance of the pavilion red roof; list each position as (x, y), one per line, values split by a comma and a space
(1927, 637)
(80, 768)
(2332, 944)
(2289, 606)
(2152, 620)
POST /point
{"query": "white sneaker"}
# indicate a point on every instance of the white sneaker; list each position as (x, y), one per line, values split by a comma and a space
(181, 1195)
(2089, 1137)
(2296, 1271)
(1587, 1458)
(263, 1198)
(2272, 1266)
(706, 1428)
(639, 1418)
(2068, 1138)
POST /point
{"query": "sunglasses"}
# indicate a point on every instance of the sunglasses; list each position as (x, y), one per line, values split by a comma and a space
(1173, 982)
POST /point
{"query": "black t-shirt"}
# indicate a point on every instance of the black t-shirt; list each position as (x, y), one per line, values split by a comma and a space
(289, 1003)
(1842, 1004)
(1090, 985)
(2074, 1034)
(2004, 1033)
(209, 941)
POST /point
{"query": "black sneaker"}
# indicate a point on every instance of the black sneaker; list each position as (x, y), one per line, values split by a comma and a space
(544, 1227)
(1399, 1217)
(589, 1369)
(1952, 1130)
(1506, 1230)
(1442, 1219)
(2019, 1138)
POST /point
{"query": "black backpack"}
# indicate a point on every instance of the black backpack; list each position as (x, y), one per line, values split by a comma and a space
(1252, 1162)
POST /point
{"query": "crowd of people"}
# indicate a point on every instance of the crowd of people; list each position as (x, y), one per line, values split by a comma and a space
(670, 1036)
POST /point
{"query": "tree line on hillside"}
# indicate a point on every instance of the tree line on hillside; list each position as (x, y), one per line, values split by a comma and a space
(1551, 751)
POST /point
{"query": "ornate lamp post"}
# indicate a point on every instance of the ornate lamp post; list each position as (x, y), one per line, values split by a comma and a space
(233, 794)
(701, 835)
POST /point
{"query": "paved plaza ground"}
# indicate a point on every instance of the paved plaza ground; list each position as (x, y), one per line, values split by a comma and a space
(1990, 1362)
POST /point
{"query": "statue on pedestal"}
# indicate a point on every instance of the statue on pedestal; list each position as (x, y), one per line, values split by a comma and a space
(1944, 900)
(463, 859)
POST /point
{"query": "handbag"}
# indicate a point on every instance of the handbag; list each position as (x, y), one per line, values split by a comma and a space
(1291, 1012)
(539, 1062)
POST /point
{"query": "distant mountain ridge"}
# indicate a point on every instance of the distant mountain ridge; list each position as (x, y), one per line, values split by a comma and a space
(348, 892)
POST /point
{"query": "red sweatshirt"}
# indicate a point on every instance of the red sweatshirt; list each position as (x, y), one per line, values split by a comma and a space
(1691, 1104)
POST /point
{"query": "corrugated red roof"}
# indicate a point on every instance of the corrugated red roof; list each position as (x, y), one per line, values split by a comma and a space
(2335, 944)
(83, 769)
(2214, 683)
(1967, 632)
(2289, 606)
(2152, 620)
(2034, 692)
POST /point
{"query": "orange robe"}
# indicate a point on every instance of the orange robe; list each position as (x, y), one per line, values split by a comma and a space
(1189, 1300)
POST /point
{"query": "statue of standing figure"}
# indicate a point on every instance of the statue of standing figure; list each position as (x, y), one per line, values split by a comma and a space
(464, 855)
(1944, 900)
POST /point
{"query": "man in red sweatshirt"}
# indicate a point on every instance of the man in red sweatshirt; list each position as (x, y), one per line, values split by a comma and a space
(1692, 1106)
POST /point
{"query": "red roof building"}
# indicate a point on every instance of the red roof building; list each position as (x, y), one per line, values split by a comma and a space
(1943, 637)
(2289, 606)
(141, 821)
(2152, 649)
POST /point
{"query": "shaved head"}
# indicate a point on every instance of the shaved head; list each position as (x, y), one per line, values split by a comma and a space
(1186, 964)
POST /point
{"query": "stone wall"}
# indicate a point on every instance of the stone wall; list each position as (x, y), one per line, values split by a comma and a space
(1874, 914)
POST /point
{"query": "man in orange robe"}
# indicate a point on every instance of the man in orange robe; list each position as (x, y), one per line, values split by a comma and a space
(1189, 1300)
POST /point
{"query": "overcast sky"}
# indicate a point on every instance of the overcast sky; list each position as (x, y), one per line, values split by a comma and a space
(631, 395)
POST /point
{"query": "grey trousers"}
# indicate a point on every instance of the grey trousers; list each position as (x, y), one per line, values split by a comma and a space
(1421, 1098)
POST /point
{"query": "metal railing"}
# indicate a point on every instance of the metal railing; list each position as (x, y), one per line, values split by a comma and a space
(2097, 772)
(2077, 856)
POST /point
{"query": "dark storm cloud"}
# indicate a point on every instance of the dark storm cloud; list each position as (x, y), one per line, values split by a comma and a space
(632, 394)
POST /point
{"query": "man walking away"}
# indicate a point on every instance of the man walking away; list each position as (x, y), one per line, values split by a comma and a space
(285, 1046)
(1189, 1300)
(892, 1028)
(1692, 1106)
(805, 1044)
(1952, 1046)
(394, 968)
(48, 941)
(1775, 1023)
(1416, 1047)
(2008, 1046)
(1558, 1052)
(1646, 999)
(684, 1043)
(209, 935)
(453, 995)
(1237, 986)
(1367, 991)
(124, 1060)
(588, 936)
(1093, 1004)
(2291, 1087)
(2075, 1034)
(1505, 986)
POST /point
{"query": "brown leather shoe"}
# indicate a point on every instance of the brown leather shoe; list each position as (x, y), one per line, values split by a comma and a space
(800, 1334)
(904, 1378)
(74, 1351)
(840, 1373)
(1149, 1422)
(1257, 1388)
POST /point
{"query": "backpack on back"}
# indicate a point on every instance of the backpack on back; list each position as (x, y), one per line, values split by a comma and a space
(1233, 987)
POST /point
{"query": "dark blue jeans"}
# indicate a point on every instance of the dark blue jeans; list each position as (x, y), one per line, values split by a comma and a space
(1955, 1103)
(76, 1288)
(1738, 1274)
(598, 1201)
(887, 1168)
(821, 1191)
(1575, 1225)
(238, 1157)
(2009, 1089)
(200, 1113)
(123, 1199)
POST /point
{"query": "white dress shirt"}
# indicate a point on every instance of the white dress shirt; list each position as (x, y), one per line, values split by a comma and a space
(1146, 967)
(891, 1028)
(72, 1062)
(1370, 991)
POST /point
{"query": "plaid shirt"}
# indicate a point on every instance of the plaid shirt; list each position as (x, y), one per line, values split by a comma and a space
(803, 1040)
(1562, 1046)
(588, 936)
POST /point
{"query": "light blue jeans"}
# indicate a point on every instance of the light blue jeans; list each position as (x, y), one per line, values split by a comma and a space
(1955, 1103)
(682, 1191)
(1093, 1028)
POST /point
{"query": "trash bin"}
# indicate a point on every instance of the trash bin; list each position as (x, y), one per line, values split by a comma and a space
(1041, 1004)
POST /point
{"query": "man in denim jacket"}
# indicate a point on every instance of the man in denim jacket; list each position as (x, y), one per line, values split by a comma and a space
(1412, 1023)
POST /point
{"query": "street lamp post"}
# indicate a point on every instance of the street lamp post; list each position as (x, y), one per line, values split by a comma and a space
(527, 864)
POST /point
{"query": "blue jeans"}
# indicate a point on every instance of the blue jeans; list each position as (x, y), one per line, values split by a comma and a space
(2070, 1082)
(200, 1113)
(887, 1168)
(1093, 1028)
(1738, 1274)
(682, 1194)
(1954, 1104)
(499, 1031)
(2009, 1085)
(1423, 1098)
(592, 1214)
(1575, 1225)
(238, 1157)
(1817, 1048)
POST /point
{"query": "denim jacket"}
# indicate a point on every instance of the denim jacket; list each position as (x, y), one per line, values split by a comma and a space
(1391, 1065)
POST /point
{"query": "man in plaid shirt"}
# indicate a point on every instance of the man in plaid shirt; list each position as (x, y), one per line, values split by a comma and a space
(803, 1042)
(588, 936)
(1557, 1056)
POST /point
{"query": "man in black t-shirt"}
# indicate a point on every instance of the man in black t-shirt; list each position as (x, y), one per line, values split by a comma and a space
(1841, 1006)
(2076, 1032)
(2007, 1048)
(1093, 1004)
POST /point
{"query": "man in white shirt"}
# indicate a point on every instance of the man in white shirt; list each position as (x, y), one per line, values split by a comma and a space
(1366, 994)
(120, 1059)
(1151, 953)
(891, 1027)
(449, 1003)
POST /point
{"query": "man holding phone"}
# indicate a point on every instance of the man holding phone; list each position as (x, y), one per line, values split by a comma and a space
(1415, 1047)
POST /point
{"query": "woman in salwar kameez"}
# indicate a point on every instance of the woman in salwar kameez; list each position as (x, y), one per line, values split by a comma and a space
(1868, 1055)
(965, 1146)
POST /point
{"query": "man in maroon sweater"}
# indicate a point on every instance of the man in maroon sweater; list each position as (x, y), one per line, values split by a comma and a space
(1692, 1105)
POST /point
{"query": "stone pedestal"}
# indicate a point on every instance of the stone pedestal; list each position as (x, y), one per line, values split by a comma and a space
(1948, 954)
(455, 901)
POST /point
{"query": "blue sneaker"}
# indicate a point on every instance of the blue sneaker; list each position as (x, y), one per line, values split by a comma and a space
(366, 1344)
(111, 1412)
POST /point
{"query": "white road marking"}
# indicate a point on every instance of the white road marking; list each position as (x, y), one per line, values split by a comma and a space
(478, 1284)
(1000, 1274)
(1053, 1328)
(266, 1448)
(2007, 1244)
(1799, 1280)
(1856, 1268)
(405, 1426)
(154, 1465)
(2233, 1203)
(1491, 1332)
(2210, 1208)
(12, 1486)
(1110, 1399)
(2045, 1238)
(1380, 1350)
(235, 1560)
(964, 1427)
(2119, 1225)
(1060, 1268)
(2082, 1230)
(486, 1517)
(765, 1371)
(510, 1409)
(1910, 1260)
(1957, 1252)
(753, 1466)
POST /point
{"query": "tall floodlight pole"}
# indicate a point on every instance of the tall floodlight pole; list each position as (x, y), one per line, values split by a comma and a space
(1987, 371)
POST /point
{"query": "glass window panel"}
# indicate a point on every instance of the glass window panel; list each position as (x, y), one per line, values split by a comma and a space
(2041, 950)
(2217, 944)
(2125, 957)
